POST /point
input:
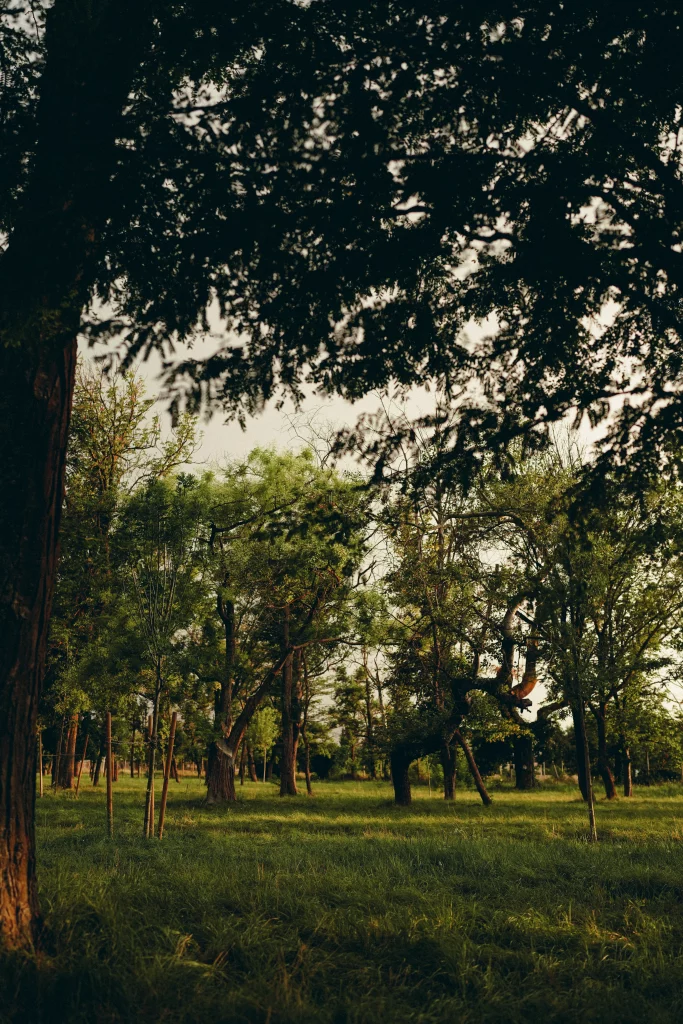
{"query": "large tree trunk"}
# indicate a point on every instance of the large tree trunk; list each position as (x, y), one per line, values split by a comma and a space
(603, 761)
(46, 274)
(400, 764)
(524, 762)
(288, 762)
(472, 764)
(448, 765)
(35, 407)
(220, 777)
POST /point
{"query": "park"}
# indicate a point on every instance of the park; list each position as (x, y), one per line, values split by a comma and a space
(341, 511)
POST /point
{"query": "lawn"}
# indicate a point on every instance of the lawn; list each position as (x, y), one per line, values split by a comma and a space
(341, 908)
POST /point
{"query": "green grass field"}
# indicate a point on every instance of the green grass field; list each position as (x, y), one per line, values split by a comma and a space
(342, 908)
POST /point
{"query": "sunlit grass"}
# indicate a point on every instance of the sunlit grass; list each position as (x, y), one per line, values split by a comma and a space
(343, 908)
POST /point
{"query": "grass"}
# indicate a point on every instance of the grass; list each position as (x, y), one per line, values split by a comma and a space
(342, 909)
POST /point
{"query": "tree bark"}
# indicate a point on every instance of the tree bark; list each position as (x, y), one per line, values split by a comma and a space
(153, 735)
(472, 764)
(579, 745)
(400, 764)
(524, 762)
(448, 765)
(68, 759)
(307, 745)
(46, 275)
(628, 771)
(253, 774)
(167, 774)
(110, 804)
(220, 768)
(579, 717)
(288, 761)
(220, 777)
(604, 768)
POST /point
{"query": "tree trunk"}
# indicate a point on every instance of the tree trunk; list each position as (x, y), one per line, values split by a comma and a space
(110, 804)
(132, 753)
(220, 768)
(68, 759)
(167, 774)
(603, 761)
(253, 774)
(243, 758)
(448, 765)
(307, 745)
(41, 782)
(98, 765)
(400, 764)
(153, 734)
(524, 762)
(581, 753)
(220, 777)
(579, 717)
(56, 760)
(628, 771)
(288, 761)
(478, 781)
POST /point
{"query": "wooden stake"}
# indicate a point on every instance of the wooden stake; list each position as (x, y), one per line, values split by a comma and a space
(40, 761)
(80, 767)
(167, 774)
(110, 803)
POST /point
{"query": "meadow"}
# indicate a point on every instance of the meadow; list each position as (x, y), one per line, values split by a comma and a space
(341, 908)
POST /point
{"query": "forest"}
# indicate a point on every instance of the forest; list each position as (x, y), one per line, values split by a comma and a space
(382, 720)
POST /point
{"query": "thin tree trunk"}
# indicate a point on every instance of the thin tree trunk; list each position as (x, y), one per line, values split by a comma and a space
(243, 759)
(628, 771)
(110, 804)
(153, 731)
(579, 715)
(56, 761)
(448, 765)
(251, 763)
(82, 762)
(307, 745)
(582, 754)
(603, 761)
(167, 774)
(132, 753)
(478, 781)
(288, 761)
(400, 765)
(220, 768)
(174, 770)
(41, 790)
(98, 765)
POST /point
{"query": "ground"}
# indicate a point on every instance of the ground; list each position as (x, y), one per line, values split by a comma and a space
(342, 909)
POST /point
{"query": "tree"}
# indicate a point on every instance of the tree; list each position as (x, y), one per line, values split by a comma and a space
(263, 731)
(158, 543)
